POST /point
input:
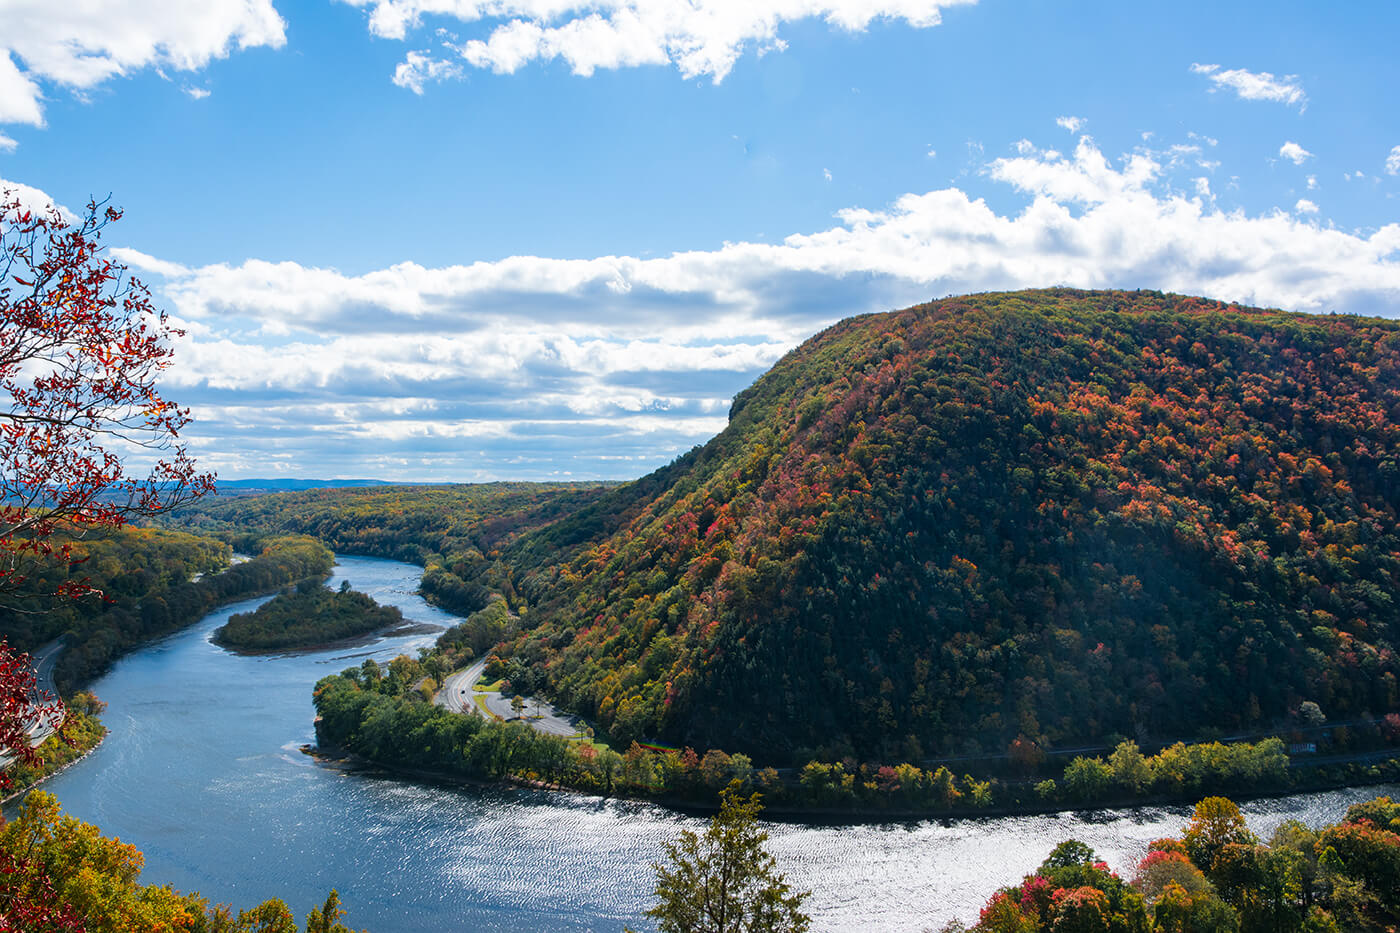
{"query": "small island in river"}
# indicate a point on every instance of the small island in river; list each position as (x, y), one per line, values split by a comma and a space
(306, 615)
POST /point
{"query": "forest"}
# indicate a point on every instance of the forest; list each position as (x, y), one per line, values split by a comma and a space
(1219, 877)
(452, 532)
(1060, 517)
(309, 613)
(149, 582)
(387, 716)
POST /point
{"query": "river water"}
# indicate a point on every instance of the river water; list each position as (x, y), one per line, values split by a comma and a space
(201, 771)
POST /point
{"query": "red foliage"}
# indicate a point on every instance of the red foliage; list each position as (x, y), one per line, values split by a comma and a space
(81, 348)
(21, 707)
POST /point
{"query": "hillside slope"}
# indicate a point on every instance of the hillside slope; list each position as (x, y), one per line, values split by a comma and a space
(1059, 513)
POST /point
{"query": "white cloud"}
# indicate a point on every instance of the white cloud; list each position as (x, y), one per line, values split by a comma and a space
(19, 95)
(700, 38)
(81, 45)
(420, 68)
(32, 198)
(197, 93)
(1392, 162)
(7, 143)
(144, 263)
(1294, 153)
(826, 173)
(556, 363)
(1312, 182)
(1089, 221)
(1073, 124)
(1249, 85)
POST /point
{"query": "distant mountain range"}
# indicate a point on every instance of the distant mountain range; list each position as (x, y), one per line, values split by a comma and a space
(235, 487)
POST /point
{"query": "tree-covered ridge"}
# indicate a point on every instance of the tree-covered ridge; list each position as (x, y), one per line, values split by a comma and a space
(1060, 514)
(451, 531)
(308, 614)
(153, 582)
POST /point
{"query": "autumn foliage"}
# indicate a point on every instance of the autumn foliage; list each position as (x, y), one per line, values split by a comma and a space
(1052, 514)
(81, 348)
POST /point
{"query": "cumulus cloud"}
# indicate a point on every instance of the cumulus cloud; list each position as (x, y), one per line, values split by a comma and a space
(1073, 124)
(7, 143)
(1294, 153)
(1250, 85)
(608, 366)
(1392, 162)
(79, 46)
(700, 38)
(419, 69)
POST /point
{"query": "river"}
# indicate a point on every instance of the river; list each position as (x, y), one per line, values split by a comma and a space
(201, 771)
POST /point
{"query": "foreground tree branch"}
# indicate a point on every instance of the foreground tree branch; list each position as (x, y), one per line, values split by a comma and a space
(82, 346)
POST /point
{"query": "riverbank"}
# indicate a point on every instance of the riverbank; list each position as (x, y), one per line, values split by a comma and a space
(385, 721)
(81, 727)
(344, 759)
(201, 771)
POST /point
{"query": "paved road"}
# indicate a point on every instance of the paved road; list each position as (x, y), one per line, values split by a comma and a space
(457, 695)
(39, 727)
(456, 692)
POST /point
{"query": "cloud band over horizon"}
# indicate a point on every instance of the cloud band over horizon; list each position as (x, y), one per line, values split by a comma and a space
(538, 368)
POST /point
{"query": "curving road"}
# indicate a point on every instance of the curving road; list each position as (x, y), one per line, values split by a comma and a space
(458, 696)
(41, 727)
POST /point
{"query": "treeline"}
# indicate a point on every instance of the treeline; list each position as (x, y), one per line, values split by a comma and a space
(1219, 877)
(149, 586)
(308, 614)
(387, 716)
(82, 731)
(453, 532)
(61, 875)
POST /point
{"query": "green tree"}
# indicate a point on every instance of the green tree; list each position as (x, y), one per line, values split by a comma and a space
(1216, 823)
(1130, 768)
(724, 880)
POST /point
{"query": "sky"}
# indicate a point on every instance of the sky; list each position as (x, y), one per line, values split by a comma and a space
(461, 240)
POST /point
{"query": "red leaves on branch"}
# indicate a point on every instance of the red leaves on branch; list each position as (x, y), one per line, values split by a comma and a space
(81, 349)
(23, 709)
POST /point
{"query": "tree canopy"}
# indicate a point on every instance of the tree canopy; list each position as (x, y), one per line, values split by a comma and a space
(724, 880)
(81, 348)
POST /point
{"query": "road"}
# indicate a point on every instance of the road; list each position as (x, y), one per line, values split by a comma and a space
(40, 728)
(458, 696)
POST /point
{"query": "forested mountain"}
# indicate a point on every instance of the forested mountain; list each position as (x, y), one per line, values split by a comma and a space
(1073, 516)
(1058, 513)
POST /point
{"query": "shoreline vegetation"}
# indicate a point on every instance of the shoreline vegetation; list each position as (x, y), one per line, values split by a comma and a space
(304, 616)
(1218, 876)
(62, 874)
(153, 583)
(386, 717)
(82, 732)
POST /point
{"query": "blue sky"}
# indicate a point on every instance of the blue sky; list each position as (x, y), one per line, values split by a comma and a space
(446, 240)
